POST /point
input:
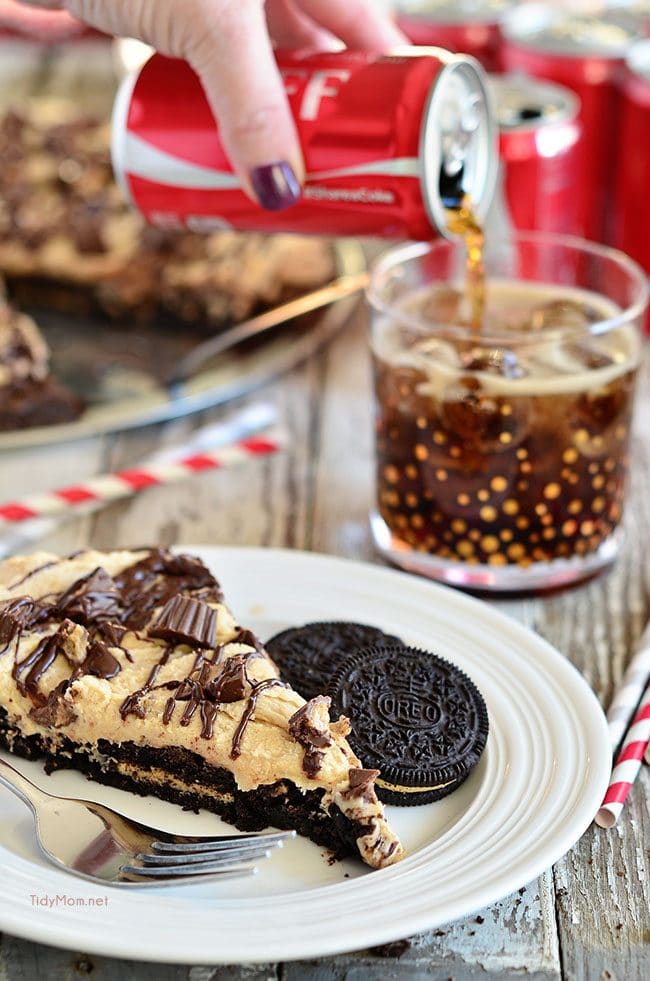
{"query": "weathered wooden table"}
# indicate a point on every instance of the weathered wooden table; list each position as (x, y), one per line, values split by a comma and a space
(587, 917)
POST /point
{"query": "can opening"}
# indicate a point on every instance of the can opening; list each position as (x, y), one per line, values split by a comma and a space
(529, 112)
(451, 187)
(458, 144)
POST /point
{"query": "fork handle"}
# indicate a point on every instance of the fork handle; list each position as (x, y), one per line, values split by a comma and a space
(23, 788)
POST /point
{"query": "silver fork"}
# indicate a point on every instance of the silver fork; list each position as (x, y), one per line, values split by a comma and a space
(94, 842)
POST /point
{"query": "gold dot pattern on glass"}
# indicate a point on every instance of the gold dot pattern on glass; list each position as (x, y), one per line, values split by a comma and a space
(487, 480)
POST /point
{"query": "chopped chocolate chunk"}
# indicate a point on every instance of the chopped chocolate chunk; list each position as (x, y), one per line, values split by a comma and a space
(74, 641)
(232, 684)
(56, 712)
(88, 234)
(361, 782)
(248, 637)
(90, 600)
(310, 727)
(186, 620)
(307, 728)
(100, 662)
(113, 634)
(312, 762)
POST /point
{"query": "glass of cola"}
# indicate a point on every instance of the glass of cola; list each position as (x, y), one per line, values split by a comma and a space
(502, 450)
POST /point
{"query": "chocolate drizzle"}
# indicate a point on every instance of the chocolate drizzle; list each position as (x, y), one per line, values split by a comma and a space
(206, 693)
(28, 672)
(33, 572)
(16, 616)
(157, 578)
(91, 601)
(132, 703)
(249, 711)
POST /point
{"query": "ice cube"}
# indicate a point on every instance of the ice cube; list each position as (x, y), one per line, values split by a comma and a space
(478, 419)
(590, 355)
(561, 314)
(445, 305)
(570, 357)
(494, 361)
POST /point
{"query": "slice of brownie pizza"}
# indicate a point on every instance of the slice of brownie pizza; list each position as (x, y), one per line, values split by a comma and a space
(129, 666)
(29, 396)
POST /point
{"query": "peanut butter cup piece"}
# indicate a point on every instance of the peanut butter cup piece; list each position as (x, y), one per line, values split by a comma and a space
(185, 620)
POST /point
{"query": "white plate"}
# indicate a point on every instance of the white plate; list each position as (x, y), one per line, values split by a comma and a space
(534, 793)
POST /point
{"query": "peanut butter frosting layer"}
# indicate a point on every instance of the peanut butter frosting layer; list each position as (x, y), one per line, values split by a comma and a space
(140, 647)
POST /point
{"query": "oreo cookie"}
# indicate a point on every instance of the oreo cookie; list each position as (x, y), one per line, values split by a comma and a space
(415, 717)
(308, 656)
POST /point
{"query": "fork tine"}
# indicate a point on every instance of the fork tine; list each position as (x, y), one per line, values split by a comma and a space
(171, 872)
(217, 844)
(135, 875)
(214, 858)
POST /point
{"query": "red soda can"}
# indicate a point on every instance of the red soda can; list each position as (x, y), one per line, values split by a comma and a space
(632, 201)
(467, 26)
(586, 54)
(389, 142)
(539, 142)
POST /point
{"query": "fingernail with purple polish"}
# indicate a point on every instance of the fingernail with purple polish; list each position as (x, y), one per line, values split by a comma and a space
(275, 185)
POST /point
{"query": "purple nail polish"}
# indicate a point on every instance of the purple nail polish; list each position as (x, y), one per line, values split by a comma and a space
(275, 185)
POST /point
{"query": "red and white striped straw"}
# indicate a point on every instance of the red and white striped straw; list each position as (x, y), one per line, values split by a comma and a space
(124, 483)
(630, 690)
(628, 763)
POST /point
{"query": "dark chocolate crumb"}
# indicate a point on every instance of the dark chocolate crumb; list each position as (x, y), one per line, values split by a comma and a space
(395, 949)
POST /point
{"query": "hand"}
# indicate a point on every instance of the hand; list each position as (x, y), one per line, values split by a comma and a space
(229, 43)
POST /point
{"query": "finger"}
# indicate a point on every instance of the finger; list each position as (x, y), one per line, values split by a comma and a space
(231, 51)
(290, 28)
(356, 22)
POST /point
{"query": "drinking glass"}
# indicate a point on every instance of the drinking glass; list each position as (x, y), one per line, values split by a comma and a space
(502, 453)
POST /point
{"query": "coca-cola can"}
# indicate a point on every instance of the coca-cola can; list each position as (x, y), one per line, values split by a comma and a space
(390, 144)
(468, 26)
(587, 54)
(632, 200)
(539, 143)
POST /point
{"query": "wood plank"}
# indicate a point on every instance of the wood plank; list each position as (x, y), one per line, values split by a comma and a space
(515, 937)
(265, 502)
(21, 960)
(601, 885)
